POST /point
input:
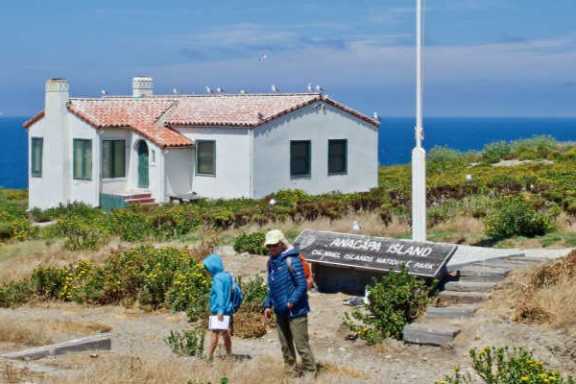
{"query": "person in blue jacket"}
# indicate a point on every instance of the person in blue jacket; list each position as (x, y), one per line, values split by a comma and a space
(220, 302)
(288, 297)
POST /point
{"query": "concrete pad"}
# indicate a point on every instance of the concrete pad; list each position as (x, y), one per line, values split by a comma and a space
(452, 312)
(429, 334)
(465, 255)
(469, 286)
(97, 342)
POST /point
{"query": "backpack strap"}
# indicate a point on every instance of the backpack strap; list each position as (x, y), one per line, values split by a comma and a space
(289, 264)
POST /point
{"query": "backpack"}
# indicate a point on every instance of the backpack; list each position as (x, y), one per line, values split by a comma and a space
(236, 295)
(306, 267)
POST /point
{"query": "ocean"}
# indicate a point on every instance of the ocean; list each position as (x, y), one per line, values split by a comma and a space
(396, 138)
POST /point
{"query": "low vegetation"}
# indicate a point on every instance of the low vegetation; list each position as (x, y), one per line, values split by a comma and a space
(506, 366)
(460, 185)
(393, 301)
(188, 342)
(542, 295)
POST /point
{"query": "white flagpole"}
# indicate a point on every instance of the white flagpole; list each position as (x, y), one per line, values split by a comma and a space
(418, 153)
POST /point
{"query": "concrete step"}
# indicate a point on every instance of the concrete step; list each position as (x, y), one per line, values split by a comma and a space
(138, 196)
(452, 297)
(90, 343)
(528, 259)
(483, 273)
(430, 333)
(140, 201)
(452, 312)
(469, 286)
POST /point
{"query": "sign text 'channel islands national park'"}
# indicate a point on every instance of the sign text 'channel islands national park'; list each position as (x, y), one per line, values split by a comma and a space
(374, 253)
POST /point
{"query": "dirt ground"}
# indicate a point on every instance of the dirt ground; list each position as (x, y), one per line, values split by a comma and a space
(137, 344)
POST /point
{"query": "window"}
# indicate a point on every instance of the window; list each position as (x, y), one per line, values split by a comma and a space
(36, 161)
(300, 158)
(113, 158)
(82, 159)
(337, 157)
(206, 158)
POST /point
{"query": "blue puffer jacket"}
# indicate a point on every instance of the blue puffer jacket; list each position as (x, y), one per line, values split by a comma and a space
(285, 286)
(220, 294)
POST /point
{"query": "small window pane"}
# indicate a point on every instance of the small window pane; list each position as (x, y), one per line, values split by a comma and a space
(107, 159)
(300, 158)
(337, 156)
(36, 161)
(119, 163)
(113, 158)
(206, 158)
(82, 159)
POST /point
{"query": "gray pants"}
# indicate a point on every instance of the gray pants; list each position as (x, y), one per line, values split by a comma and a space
(294, 333)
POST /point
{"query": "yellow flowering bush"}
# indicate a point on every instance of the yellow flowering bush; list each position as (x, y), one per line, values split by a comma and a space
(507, 366)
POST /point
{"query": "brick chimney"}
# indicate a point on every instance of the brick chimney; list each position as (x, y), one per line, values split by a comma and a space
(142, 86)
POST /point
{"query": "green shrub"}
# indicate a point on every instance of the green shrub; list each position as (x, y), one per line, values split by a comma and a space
(251, 242)
(255, 291)
(394, 301)
(506, 366)
(494, 152)
(514, 216)
(48, 282)
(289, 197)
(535, 148)
(129, 224)
(80, 233)
(15, 293)
(442, 158)
(187, 343)
(155, 278)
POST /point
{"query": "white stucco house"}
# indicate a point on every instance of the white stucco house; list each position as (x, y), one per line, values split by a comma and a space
(148, 148)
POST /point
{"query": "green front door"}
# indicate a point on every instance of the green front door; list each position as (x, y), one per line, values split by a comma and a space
(143, 178)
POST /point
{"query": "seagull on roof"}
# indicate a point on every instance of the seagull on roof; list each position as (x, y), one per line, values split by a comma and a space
(103, 92)
(263, 58)
(310, 88)
(208, 90)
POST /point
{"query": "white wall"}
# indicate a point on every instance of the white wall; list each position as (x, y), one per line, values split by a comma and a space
(233, 170)
(86, 191)
(56, 186)
(179, 170)
(317, 124)
(156, 167)
(46, 191)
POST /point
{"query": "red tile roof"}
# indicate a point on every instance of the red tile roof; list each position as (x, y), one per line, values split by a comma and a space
(142, 115)
(154, 117)
(245, 110)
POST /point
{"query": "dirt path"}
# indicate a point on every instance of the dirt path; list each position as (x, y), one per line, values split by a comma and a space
(139, 335)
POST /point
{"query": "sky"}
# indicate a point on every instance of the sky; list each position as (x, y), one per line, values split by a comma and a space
(482, 57)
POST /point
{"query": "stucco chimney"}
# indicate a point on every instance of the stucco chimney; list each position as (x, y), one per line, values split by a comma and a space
(57, 96)
(142, 86)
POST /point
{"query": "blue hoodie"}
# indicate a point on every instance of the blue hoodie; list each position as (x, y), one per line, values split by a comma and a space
(220, 294)
(285, 286)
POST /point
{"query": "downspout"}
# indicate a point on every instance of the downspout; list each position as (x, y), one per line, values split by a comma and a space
(251, 161)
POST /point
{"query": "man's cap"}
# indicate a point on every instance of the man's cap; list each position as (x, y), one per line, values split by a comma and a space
(274, 236)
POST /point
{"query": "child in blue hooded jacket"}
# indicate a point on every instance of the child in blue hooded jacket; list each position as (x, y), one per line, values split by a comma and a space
(220, 302)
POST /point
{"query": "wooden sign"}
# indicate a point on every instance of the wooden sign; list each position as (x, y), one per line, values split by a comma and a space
(374, 253)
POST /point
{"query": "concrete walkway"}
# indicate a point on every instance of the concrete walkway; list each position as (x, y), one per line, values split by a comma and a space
(466, 254)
